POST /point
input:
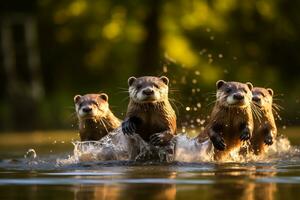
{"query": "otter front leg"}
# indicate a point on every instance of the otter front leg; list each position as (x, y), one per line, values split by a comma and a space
(130, 125)
(215, 135)
(268, 140)
(246, 132)
(161, 139)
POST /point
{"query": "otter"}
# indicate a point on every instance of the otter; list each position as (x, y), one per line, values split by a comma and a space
(95, 118)
(231, 120)
(149, 112)
(265, 129)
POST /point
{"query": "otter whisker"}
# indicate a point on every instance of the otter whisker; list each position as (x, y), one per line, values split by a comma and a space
(256, 112)
(176, 101)
(124, 99)
(277, 106)
(211, 103)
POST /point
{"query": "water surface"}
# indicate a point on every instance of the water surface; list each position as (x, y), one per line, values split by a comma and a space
(44, 178)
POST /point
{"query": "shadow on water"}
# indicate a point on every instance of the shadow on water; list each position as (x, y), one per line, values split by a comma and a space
(43, 177)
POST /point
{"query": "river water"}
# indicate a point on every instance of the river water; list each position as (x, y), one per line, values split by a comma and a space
(41, 166)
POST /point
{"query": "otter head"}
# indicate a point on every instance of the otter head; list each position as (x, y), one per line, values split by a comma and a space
(234, 94)
(91, 106)
(148, 89)
(262, 97)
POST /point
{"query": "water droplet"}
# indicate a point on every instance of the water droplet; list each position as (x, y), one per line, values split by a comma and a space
(283, 127)
(187, 108)
(203, 51)
(165, 69)
(212, 37)
(220, 55)
(30, 154)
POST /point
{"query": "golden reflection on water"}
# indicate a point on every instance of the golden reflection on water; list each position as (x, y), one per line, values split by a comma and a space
(238, 183)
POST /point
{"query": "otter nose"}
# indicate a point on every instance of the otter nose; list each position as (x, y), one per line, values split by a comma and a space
(87, 109)
(148, 91)
(256, 99)
(238, 96)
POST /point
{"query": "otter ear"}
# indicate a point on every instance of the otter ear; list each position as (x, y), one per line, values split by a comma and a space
(131, 80)
(103, 96)
(250, 86)
(220, 83)
(165, 79)
(77, 98)
(271, 92)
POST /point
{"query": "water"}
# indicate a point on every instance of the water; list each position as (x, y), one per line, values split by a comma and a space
(50, 168)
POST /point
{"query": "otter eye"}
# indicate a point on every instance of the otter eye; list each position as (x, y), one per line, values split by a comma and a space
(244, 90)
(139, 86)
(228, 90)
(95, 103)
(155, 85)
(262, 94)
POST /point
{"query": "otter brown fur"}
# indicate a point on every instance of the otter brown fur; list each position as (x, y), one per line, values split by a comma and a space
(265, 130)
(231, 120)
(149, 113)
(95, 118)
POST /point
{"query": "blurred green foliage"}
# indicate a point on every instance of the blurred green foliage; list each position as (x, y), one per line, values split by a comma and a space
(95, 45)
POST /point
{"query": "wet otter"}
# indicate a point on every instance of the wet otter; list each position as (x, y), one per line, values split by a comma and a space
(149, 112)
(95, 118)
(231, 120)
(265, 129)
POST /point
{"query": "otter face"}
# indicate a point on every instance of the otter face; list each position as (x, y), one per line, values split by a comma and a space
(91, 106)
(234, 94)
(148, 89)
(262, 96)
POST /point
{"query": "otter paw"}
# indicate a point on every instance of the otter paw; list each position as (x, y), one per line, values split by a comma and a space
(160, 139)
(218, 142)
(268, 140)
(245, 135)
(128, 127)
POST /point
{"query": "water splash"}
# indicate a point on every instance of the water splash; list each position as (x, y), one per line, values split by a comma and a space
(190, 150)
(117, 146)
(31, 157)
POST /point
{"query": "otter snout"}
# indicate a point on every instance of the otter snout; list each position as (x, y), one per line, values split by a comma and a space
(236, 99)
(87, 109)
(148, 91)
(238, 96)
